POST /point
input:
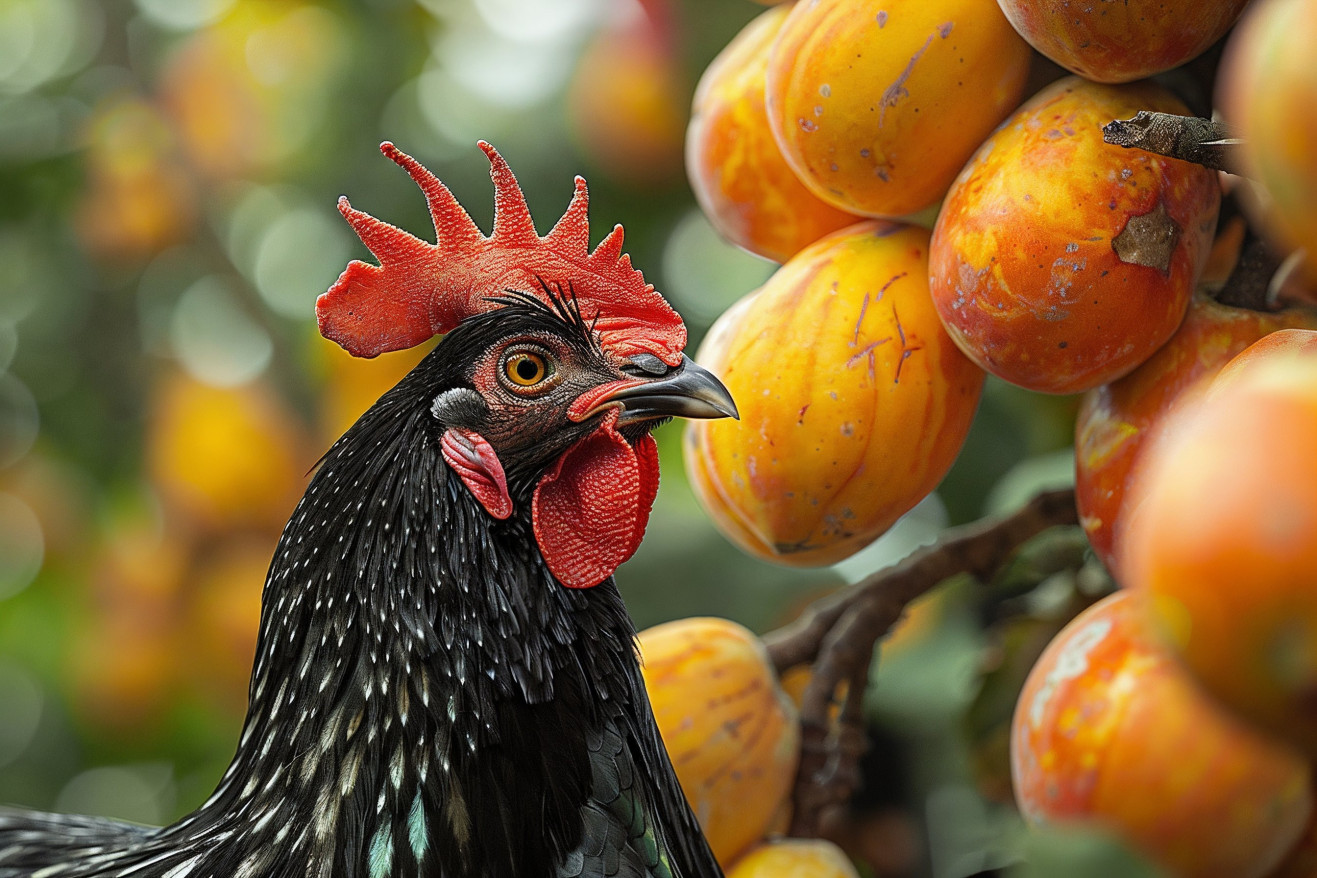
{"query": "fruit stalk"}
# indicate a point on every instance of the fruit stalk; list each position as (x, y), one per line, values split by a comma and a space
(837, 635)
(1205, 142)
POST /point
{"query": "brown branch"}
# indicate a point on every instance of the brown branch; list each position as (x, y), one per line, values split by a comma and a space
(838, 633)
(978, 548)
(1205, 142)
(1249, 284)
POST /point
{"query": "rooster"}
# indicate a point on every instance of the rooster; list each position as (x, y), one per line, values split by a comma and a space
(446, 682)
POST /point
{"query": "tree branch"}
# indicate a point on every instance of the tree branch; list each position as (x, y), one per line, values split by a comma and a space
(1205, 142)
(1249, 284)
(838, 633)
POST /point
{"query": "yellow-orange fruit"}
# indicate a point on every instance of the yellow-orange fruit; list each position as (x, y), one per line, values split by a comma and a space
(1224, 254)
(729, 728)
(796, 680)
(853, 400)
(794, 858)
(351, 384)
(1121, 42)
(1267, 87)
(137, 198)
(1060, 262)
(627, 103)
(1116, 420)
(124, 671)
(876, 104)
(224, 616)
(251, 90)
(1110, 729)
(736, 170)
(1221, 535)
(226, 457)
(123, 665)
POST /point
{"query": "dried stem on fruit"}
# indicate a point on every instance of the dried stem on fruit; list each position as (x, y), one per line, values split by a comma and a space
(1205, 142)
(837, 635)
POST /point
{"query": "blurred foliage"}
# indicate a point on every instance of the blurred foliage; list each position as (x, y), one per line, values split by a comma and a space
(168, 174)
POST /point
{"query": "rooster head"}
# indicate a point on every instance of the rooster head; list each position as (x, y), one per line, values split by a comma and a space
(568, 358)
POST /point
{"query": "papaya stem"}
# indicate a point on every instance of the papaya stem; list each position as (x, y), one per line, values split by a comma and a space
(837, 634)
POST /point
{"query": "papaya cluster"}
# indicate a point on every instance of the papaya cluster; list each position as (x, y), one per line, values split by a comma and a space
(1178, 709)
(946, 209)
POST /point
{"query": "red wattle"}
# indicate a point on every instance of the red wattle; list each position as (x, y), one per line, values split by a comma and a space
(647, 456)
(589, 512)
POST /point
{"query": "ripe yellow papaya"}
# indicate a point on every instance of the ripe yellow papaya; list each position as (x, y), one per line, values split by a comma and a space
(854, 401)
(731, 731)
(794, 858)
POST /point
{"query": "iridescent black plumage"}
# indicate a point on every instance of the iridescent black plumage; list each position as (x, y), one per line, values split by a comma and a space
(427, 700)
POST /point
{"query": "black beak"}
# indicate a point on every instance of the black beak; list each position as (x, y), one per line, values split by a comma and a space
(687, 391)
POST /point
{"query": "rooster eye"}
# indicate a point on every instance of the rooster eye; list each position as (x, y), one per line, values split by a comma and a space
(526, 370)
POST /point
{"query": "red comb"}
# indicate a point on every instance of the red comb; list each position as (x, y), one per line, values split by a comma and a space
(420, 289)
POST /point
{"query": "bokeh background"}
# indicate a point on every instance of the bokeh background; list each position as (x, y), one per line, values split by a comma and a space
(168, 175)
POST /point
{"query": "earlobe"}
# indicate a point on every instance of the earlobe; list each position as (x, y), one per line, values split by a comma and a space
(461, 405)
(475, 461)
